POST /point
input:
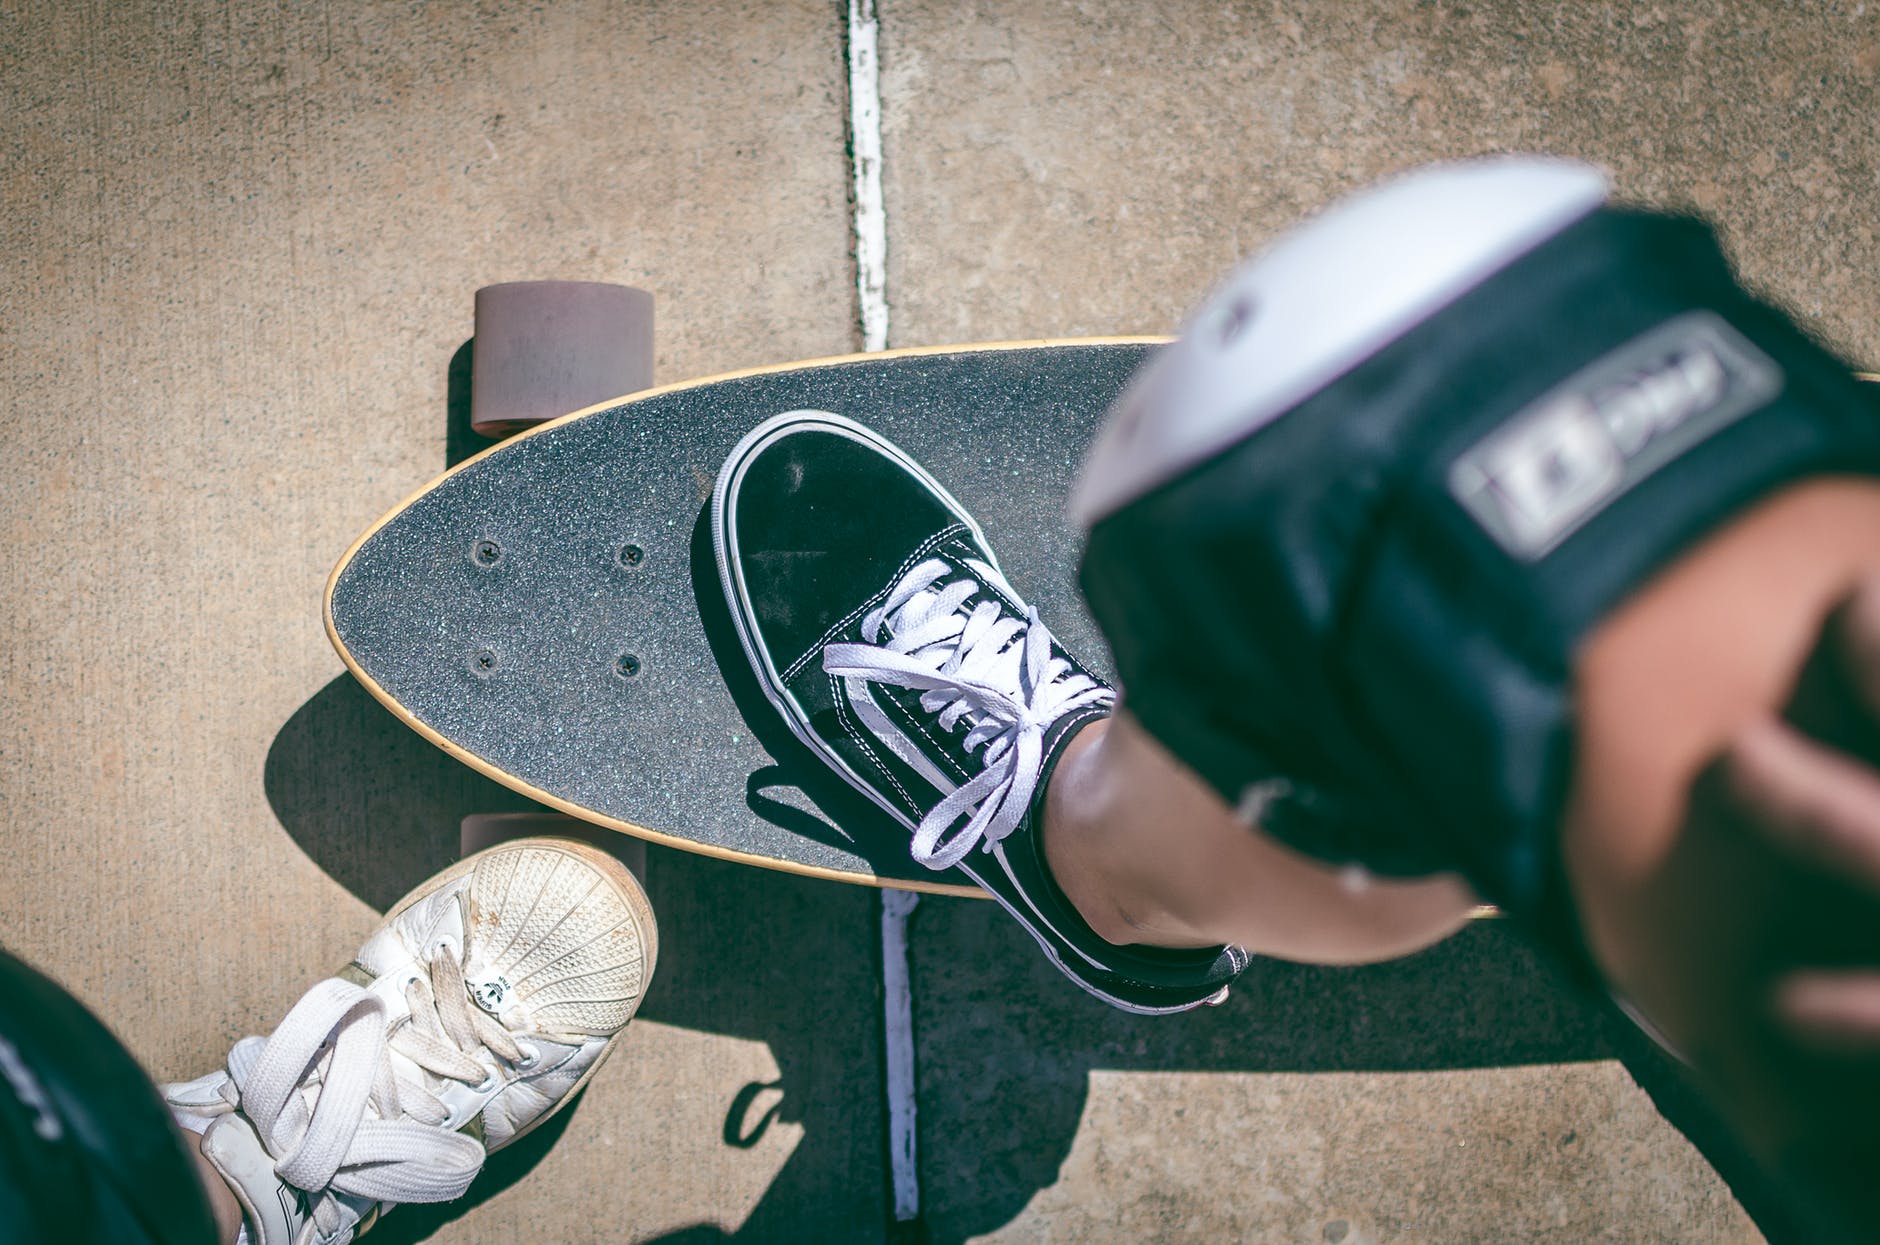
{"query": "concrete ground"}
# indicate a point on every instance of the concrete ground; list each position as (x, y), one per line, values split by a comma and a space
(237, 247)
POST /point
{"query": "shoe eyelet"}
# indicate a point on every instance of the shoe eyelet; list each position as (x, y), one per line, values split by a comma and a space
(490, 1082)
(531, 1057)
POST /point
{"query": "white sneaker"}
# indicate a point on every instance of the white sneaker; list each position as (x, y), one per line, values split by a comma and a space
(480, 1006)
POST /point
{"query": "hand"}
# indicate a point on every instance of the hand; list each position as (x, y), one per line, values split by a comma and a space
(1778, 990)
(1723, 840)
(1809, 786)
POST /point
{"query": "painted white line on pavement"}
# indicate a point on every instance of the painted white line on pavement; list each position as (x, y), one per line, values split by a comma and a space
(871, 217)
(897, 998)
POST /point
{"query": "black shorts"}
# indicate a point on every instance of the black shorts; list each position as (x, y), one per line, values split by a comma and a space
(88, 1151)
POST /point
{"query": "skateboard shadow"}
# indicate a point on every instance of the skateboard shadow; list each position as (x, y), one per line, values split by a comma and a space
(998, 1026)
(366, 797)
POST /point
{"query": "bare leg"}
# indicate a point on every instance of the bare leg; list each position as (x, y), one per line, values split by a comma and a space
(1149, 854)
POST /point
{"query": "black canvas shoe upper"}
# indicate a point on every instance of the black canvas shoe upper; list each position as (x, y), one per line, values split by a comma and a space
(880, 625)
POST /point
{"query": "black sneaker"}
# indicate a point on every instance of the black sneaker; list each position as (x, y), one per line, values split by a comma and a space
(881, 627)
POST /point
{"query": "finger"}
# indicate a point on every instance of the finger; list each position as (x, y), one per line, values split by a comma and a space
(1856, 627)
(1835, 1010)
(1822, 806)
(1836, 698)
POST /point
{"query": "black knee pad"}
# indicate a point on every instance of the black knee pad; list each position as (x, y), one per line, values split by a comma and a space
(88, 1151)
(1356, 618)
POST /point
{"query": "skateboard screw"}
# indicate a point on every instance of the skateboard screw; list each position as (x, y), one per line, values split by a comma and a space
(483, 663)
(631, 555)
(486, 553)
(627, 666)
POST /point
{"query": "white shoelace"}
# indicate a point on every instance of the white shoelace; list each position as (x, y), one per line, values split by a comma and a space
(343, 1105)
(977, 662)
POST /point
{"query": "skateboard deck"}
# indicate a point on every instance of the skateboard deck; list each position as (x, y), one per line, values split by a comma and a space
(549, 612)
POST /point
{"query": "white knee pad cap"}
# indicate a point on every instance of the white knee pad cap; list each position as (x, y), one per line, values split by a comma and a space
(1320, 300)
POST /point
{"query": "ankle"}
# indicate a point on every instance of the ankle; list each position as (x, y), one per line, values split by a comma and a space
(1077, 830)
(1067, 851)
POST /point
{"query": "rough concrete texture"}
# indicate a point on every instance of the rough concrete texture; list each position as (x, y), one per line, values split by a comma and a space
(237, 246)
(237, 251)
(1372, 1157)
(1093, 166)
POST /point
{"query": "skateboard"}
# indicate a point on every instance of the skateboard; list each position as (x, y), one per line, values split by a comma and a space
(549, 611)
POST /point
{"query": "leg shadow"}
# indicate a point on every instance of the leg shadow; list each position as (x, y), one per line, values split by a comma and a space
(793, 963)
